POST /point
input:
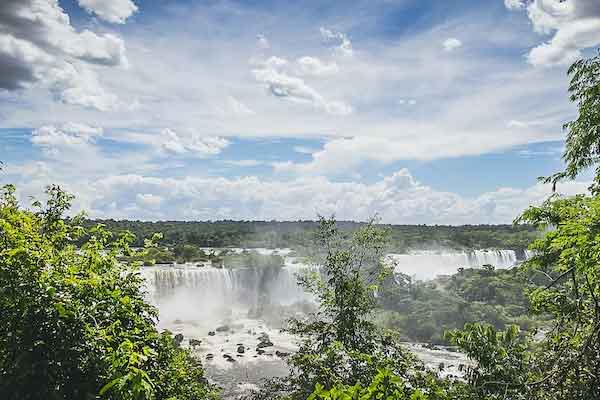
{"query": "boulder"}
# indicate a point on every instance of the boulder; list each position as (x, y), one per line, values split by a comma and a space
(211, 333)
(265, 343)
(195, 342)
(210, 356)
(281, 354)
(178, 338)
(241, 349)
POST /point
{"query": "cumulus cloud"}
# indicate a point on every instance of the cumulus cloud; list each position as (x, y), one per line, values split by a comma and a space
(451, 44)
(340, 41)
(199, 146)
(69, 137)
(38, 45)
(397, 198)
(115, 11)
(277, 74)
(574, 24)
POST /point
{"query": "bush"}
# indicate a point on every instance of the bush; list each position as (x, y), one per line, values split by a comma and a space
(75, 324)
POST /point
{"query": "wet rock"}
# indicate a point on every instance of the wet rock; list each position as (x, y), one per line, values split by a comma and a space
(264, 341)
(195, 342)
(178, 338)
(211, 333)
(228, 357)
(281, 354)
(241, 349)
(210, 356)
(263, 344)
(259, 351)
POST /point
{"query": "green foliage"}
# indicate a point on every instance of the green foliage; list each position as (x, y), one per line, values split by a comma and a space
(75, 324)
(583, 134)
(342, 350)
(385, 386)
(299, 235)
(569, 255)
(501, 361)
(566, 362)
(422, 311)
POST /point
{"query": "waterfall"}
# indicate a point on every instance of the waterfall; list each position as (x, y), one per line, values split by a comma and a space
(240, 287)
(427, 264)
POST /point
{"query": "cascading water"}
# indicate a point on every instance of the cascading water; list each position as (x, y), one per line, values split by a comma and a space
(427, 264)
(188, 292)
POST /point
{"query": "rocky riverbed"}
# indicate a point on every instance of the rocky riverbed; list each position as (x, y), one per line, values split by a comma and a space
(239, 352)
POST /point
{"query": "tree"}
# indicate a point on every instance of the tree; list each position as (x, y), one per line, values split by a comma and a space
(75, 324)
(569, 254)
(385, 386)
(501, 361)
(565, 364)
(341, 346)
(582, 149)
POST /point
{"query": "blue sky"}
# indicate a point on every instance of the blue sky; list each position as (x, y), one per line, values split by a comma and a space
(419, 111)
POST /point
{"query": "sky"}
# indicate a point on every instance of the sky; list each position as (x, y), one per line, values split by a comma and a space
(417, 111)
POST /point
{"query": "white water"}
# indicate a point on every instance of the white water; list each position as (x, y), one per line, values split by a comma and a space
(188, 292)
(427, 264)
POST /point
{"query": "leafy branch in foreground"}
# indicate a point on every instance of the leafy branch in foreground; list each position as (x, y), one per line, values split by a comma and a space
(75, 324)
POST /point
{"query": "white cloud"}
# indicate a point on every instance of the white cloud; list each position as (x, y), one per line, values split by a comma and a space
(232, 107)
(171, 142)
(39, 46)
(397, 198)
(451, 44)
(115, 11)
(149, 200)
(304, 150)
(283, 85)
(344, 155)
(244, 163)
(575, 25)
(498, 86)
(514, 4)
(513, 123)
(313, 66)
(342, 43)
(71, 137)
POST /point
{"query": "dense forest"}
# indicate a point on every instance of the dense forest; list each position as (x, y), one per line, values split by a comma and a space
(423, 310)
(76, 324)
(298, 235)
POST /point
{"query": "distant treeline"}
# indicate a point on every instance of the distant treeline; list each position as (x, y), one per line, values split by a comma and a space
(300, 234)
